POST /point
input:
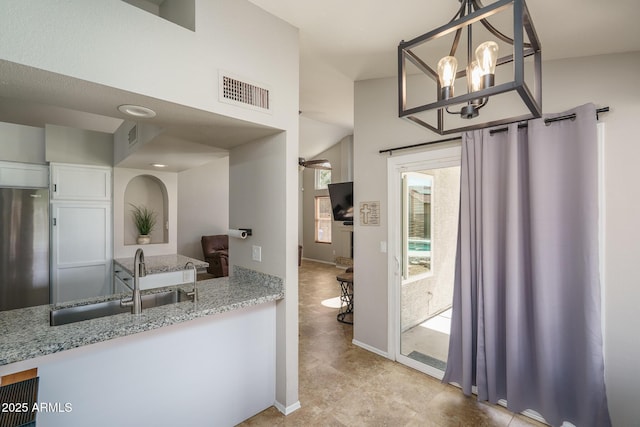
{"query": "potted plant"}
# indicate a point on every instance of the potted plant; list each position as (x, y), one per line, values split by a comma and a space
(145, 220)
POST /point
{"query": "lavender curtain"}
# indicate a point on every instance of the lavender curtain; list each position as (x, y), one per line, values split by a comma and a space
(526, 309)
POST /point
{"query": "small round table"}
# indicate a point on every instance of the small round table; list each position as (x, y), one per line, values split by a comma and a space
(346, 297)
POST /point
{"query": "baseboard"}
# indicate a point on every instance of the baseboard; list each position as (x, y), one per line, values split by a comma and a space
(371, 349)
(319, 260)
(289, 409)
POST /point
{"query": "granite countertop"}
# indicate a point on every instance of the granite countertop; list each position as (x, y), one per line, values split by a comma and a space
(25, 333)
(161, 263)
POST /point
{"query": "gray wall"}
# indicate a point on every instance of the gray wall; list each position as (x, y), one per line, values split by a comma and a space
(203, 205)
(70, 145)
(21, 143)
(339, 157)
(150, 192)
(607, 80)
(264, 197)
(59, 144)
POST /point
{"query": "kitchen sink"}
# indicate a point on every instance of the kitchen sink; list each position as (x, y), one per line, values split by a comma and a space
(63, 316)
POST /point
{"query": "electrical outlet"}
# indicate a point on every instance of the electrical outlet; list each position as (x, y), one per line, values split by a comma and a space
(256, 253)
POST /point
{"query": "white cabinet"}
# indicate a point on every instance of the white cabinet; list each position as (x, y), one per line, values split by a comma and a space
(79, 182)
(81, 250)
(81, 235)
(14, 174)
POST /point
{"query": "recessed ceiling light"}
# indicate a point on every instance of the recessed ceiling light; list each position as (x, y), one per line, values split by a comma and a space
(137, 111)
(158, 165)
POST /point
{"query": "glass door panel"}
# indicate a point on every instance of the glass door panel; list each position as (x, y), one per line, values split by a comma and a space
(430, 204)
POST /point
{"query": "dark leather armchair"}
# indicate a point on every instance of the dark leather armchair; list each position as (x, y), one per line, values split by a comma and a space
(216, 253)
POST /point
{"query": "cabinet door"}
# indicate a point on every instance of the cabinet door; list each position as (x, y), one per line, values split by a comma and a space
(79, 182)
(14, 174)
(81, 250)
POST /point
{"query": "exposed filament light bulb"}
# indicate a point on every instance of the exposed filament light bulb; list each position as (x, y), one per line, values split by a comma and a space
(447, 68)
(487, 57)
(474, 77)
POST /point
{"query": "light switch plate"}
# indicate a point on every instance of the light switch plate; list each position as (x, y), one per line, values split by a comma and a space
(256, 253)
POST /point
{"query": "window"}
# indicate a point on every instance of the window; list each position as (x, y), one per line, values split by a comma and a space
(323, 219)
(323, 177)
(418, 188)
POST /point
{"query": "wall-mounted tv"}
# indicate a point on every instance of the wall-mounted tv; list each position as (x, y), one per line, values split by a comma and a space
(341, 195)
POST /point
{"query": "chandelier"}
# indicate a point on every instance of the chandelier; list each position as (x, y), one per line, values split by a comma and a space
(446, 93)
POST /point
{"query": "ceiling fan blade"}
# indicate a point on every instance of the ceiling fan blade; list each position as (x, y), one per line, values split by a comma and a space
(323, 164)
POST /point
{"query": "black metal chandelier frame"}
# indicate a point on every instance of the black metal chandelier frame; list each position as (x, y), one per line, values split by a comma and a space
(472, 12)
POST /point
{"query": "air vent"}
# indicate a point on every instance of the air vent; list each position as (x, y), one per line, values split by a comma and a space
(133, 135)
(22, 396)
(242, 93)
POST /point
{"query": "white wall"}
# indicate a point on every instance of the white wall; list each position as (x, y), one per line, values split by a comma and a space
(103, 41)
(608, 80)
(120, 46)
(92, 40)
(203, 205)
(212, 371)
(319, 136)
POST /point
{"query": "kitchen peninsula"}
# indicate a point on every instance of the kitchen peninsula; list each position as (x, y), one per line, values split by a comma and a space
(205, 363)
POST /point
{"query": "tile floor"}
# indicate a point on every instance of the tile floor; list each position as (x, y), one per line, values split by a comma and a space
(341, 384)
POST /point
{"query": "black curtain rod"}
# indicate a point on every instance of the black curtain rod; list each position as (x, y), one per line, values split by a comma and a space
(421, 144)
(548, 121)
(491, 132)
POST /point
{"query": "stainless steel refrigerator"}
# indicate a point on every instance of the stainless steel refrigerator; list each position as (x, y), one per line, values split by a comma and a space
(24, 247)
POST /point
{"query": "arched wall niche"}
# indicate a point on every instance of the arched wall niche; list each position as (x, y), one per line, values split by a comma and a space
(148, 191)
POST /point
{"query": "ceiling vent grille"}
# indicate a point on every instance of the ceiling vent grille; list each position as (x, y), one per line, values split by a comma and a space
(239, 92)
(133, 135)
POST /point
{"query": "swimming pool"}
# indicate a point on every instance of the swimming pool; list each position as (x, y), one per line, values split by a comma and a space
(420, 245)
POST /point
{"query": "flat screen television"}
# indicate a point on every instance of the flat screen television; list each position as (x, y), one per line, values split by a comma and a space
(341, 196)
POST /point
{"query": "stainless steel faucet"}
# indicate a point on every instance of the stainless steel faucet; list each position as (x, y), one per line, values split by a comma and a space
(139, 270)
(194, 293)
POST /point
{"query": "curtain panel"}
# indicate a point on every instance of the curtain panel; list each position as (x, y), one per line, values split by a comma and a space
(526, 321)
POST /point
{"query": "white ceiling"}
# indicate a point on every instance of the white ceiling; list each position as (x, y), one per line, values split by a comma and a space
(340, 42)
(346, 41)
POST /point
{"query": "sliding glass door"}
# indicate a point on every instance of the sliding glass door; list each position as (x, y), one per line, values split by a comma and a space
(423, 237)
